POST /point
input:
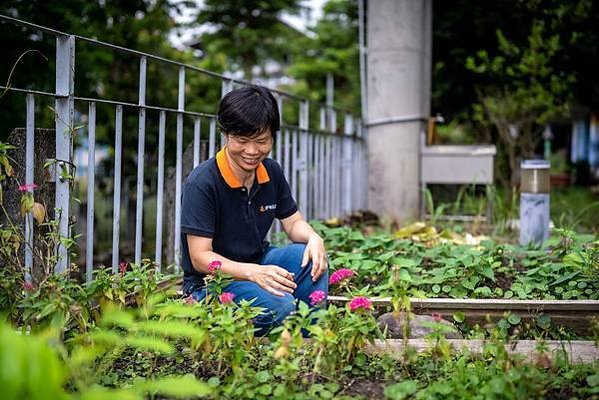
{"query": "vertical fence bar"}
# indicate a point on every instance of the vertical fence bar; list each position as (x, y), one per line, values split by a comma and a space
(363, 160)
(212, 138)
(141, 144)
(294, 164)
(197, 134)
(91, 181)
(116, 205)
(179, 167)
(347, 165)
(225, 87)
(160, 189)
(329, 168)
(335, 164)
(286, 153)
(303, 157)
(317, 177)
(310, 180)
(65, 110)
(278, 151)
(334, 177)
(29, 178)
(325, 188)
(278, 159)
(357, 185)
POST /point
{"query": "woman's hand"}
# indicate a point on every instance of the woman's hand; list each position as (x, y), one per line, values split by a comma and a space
(315, 251)
(273, 279)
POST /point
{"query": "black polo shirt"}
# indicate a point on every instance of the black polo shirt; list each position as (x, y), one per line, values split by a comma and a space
(216, 205)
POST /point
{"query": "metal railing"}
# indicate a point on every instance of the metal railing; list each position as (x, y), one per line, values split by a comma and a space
(325, 168)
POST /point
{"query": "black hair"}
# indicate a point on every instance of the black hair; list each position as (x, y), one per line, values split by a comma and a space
(248, 111)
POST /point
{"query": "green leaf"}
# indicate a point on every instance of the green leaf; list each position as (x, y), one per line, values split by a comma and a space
(543, 321)
(404, 275)
(565, 278)
(178, 386)
(514, 319)
(436, 288)
(173, 329)
(262, 376)
(487, 272)
(265, 389)
(402, 390)
(147, 343)
(459, 317)
(100, 393)
(593, 380)
(404, 262)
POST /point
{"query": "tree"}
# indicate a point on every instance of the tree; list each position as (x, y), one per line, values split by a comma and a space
(502, 40)
(332, 47)
(533, 94)
(248, 33)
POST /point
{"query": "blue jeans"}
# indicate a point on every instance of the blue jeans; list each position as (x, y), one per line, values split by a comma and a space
(277, 308)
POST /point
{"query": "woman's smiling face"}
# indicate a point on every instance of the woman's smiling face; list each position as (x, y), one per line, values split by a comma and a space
(248, 152)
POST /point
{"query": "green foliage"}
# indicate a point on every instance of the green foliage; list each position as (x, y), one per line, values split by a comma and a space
(446, 269)
(331, 47)
(528, 93)
(31, 369)
(247, 33)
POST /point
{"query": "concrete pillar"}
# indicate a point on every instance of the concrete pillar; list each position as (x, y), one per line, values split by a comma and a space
(398, 85)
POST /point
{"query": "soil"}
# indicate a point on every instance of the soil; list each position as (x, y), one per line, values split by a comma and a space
(368, 388)
(503, 281)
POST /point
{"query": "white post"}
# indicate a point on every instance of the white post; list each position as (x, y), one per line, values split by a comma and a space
(65, 110)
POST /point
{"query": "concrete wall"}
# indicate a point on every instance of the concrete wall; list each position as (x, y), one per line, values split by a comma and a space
(398, 85)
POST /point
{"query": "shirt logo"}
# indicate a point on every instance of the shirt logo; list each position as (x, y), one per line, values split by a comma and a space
(268, 207)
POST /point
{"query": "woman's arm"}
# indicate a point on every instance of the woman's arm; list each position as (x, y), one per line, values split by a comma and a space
(271, 278)
(299, 230)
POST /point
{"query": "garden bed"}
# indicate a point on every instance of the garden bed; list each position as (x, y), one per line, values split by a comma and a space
(424, 263)
(578, 315)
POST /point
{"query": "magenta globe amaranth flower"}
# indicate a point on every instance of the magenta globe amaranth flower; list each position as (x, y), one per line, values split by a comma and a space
(340, 275)
(28, 286)
(27, 188)
(226, 297)
(214, 266)
(437, 317)
(123, 267)
(317, 297)
(358, 303)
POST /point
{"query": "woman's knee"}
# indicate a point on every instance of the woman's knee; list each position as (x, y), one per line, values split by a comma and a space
(277, 310)
(285, 308)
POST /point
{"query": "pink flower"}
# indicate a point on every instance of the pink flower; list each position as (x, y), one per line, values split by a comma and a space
(28, 286)
(214, 266)
(437, 317)
(123, 267)
(28, 187)
(360, 302)
(226, 297)
(190, 300)
(317, 297)
(340, 275)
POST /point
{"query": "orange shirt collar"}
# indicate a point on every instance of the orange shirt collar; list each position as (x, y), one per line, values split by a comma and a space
(222, 163)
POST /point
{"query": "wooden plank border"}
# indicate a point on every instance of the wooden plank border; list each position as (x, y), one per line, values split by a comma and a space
(587, 306)
(574, 314)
